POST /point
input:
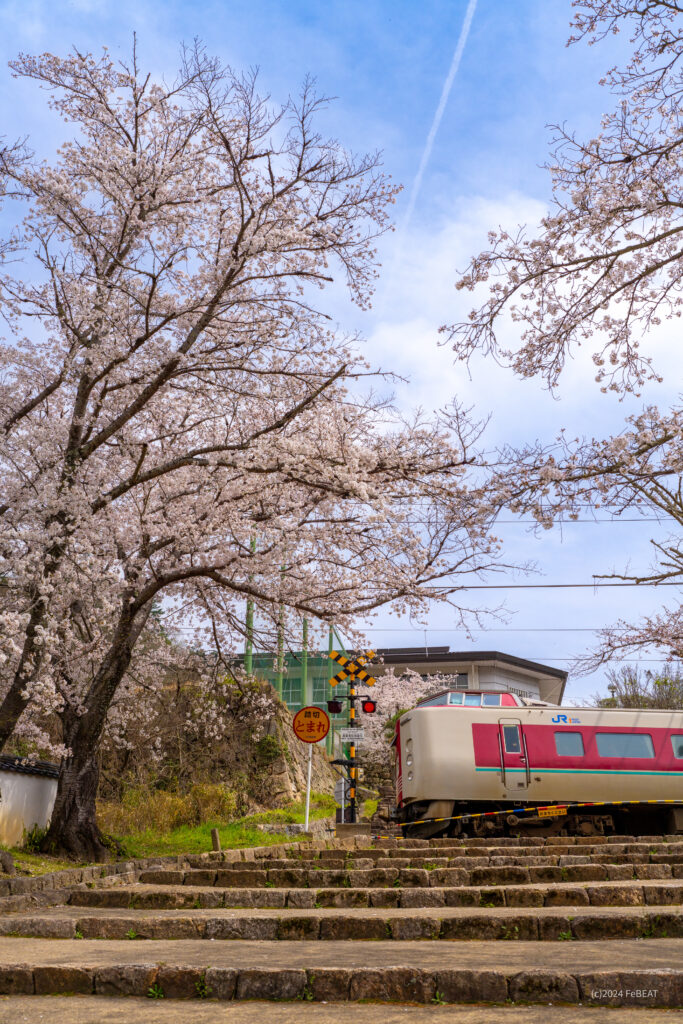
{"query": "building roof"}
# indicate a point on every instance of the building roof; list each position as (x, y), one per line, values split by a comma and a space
(551, 681)
(11, 763)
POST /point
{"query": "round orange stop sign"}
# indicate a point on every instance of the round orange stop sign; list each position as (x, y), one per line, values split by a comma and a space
(311, 724)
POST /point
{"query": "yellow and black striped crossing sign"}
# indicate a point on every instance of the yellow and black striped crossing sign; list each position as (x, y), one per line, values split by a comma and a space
(352, 667)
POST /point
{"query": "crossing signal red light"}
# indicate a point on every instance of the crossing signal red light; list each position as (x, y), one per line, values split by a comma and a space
(369, 706)
(334, 707)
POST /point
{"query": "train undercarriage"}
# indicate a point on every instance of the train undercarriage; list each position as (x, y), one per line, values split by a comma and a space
(448, 819)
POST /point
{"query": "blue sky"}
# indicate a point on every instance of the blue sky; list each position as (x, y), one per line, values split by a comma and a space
(386, 63)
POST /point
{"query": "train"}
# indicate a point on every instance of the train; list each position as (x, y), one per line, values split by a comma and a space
(487, 762)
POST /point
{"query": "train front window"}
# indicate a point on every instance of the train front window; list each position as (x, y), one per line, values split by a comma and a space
(569, 744)
(491, 700)
(455, 698)
(472, 700)
(511, 739)
(677, 744)
(624, 744)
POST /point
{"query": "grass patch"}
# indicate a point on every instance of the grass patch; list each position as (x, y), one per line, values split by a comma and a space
(157, 809)
(154, 823)
(322, 806)
(369, 808)
(196, 838)
(37, 863)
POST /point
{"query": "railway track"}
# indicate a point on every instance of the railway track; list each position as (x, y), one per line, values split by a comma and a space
(595, 921)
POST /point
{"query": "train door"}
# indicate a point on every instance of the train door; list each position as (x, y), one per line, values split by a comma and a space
(514, 759)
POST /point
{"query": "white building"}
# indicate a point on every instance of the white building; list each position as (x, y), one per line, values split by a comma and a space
(477, 670)
(27, 796)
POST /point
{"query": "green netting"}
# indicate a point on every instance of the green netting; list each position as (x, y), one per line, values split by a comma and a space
(292, 692)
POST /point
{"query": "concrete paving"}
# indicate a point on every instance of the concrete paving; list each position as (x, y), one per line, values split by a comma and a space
(370, 924)
(626, 955)
(97, 1010)
(369, 913)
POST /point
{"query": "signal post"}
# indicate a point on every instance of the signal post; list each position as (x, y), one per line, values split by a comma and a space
(352, 750)
(351, 670)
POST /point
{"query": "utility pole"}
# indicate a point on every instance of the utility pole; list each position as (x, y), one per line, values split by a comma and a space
(280, 649)
(249, 645)
(307, 698)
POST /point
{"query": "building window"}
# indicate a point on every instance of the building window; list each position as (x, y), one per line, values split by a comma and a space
(461, 681)
(513, 744)
(319, 691)
(291, 690)
(624, 744)
(677, 744)
(569, 744)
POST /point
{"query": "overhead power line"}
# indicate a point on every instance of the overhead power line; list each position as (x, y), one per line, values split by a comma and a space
(558, 586)
(494, 629)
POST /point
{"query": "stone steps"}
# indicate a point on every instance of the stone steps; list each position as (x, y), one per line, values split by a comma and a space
(590, 973)
(334, 924)
(149, 897)
(241, 877)
(462, 861)
(594, 921)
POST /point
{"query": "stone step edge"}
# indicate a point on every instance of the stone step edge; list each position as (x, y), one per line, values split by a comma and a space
(646, 893)
(69, 877)
(12, 886)
(72, 877)
(646, 988)
(411, 877)
(548, 926)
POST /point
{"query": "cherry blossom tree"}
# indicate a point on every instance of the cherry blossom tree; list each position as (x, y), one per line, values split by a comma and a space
(396, 694)
(181, 422)
(604, 271)
(629, 687)
(606, 265)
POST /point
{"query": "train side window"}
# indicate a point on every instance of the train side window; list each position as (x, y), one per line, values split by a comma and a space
(472, 700)
(624, 744)
(677, 744)
(511, 739)
(569, 744)
(491, 700)
(454, 698)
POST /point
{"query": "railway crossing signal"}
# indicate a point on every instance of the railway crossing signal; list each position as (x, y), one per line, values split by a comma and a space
(352, 667)
(368, 705)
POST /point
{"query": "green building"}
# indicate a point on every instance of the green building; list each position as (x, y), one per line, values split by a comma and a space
(296, 692)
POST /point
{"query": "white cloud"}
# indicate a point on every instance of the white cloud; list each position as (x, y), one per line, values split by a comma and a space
(416, 295)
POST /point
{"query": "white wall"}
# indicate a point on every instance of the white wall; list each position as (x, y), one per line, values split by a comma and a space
(506, 679)
(25, 800)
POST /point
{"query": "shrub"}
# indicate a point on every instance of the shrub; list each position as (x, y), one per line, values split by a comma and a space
(162, 811)
(33, 838)
(268, 749)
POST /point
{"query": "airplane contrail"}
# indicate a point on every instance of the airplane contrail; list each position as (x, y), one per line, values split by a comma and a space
(445, 92)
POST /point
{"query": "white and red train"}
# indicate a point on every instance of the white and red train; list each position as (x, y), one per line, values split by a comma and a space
(462, 753)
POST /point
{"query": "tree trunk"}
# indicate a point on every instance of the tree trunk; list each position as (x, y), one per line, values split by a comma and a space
(73, 829)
